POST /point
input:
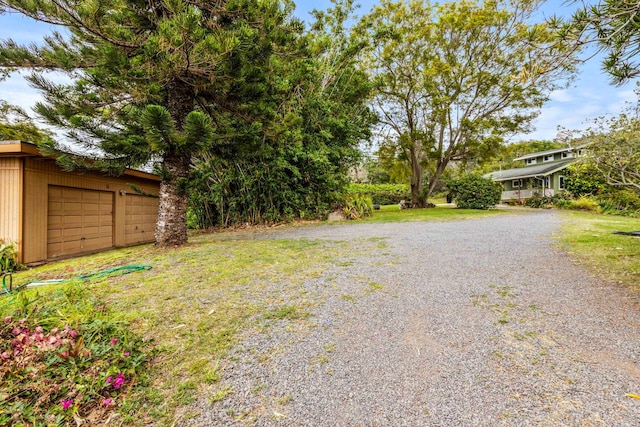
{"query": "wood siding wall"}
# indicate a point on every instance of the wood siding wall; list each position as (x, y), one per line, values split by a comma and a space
(11, 201)
(40, 174)
(141, 214)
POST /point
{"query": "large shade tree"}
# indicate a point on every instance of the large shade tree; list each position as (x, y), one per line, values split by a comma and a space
(153, 81)
(455, 79)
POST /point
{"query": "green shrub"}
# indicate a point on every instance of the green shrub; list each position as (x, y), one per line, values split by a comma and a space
(583, 179)
(585, 203)
(382, 194)
(274, 184)
(620, 202)
(475, 192)
(560, 200)
(8, 257)
(357, 206)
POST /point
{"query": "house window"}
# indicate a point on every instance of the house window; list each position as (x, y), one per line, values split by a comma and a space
(567, 155)
(579, 152)
(561, 182)
(516, 183)
(548, 158)
(532, 161)
(547, 182)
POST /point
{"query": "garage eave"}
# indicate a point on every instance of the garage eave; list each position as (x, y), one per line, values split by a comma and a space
(14, 148)
(18, 149)
(142, 174)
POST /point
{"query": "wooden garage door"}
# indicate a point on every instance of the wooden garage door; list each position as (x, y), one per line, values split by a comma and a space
(78, 221)
(141, 214)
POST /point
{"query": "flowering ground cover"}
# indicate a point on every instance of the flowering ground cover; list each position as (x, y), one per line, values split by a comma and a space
(65, 356)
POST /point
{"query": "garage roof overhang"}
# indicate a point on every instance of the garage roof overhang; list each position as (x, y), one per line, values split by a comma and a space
(18, 149)
(27, 149)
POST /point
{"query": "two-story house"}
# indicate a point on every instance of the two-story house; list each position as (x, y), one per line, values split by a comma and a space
(542, 173)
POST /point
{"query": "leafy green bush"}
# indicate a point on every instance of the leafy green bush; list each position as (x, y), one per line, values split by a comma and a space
(292, 182)
(382, 194)
(583, 179)
(560, 200)
(64, 357)
(620, 202)
(8, 257)
(585, 203)
(357, 206)
(475, 192)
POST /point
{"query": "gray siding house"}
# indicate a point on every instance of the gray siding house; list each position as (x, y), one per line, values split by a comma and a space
(542, 173)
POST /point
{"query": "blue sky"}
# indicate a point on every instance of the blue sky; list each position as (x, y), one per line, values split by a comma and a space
(589, 96)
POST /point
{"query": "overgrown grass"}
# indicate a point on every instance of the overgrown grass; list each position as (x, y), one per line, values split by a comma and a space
(193, 305)
(589, 237)
(391, 213)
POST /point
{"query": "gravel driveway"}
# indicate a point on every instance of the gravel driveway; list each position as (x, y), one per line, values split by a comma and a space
(480, 322)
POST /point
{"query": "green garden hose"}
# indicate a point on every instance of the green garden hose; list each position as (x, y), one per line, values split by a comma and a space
(7, 279)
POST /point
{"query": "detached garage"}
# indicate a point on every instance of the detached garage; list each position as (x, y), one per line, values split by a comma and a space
(49, 213)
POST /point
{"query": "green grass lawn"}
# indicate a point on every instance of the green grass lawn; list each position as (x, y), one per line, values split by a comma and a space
(391, 213)
(589, 238)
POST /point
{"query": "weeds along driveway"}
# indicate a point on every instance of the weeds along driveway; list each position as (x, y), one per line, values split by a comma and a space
(477, 322)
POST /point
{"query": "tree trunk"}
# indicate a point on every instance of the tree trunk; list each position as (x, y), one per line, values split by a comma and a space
(416, 180)
(440, 167)
(171, 228)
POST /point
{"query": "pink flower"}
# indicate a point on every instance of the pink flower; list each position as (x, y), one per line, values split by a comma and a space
(126, 354)
(39, 330)
(66, 404)
(117, 383)
(113, 341)
(71, 332)
(107, 402)
(109, 379)
(21, 321)
(8, 319)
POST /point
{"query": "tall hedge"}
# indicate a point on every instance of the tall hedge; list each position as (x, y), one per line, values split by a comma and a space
(270, 186)
(383, 194)
(475, 192)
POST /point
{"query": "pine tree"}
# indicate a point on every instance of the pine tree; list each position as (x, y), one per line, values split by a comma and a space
(153, 81)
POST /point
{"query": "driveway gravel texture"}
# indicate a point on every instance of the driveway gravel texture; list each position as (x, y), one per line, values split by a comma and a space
(479, 322)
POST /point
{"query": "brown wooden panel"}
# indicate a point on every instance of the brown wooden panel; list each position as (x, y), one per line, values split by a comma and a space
(141, 213)
(79, 220)
(10, 200)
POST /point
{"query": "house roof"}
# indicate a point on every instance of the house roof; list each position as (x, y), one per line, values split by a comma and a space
(554, 151)
(544, 169)
(27, 149)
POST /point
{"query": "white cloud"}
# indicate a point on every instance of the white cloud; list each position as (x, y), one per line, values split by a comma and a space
(561, 95)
